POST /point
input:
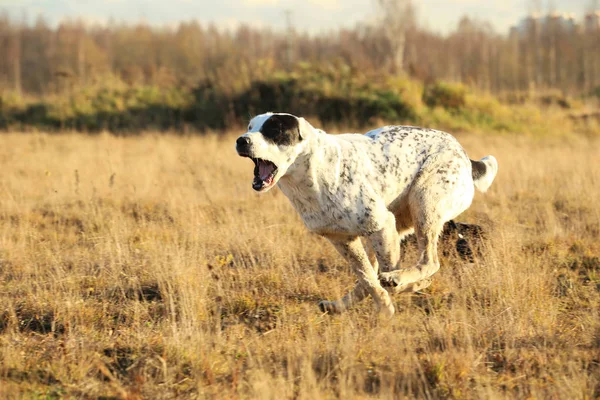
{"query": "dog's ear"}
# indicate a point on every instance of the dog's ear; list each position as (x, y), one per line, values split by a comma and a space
(297, 124)
(301, 132)
(290, 123)
(304, 128)
(282, 129)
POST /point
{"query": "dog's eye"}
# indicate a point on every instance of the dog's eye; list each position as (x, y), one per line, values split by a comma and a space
(249, 127)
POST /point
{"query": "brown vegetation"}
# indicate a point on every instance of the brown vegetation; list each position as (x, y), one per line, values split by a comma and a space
(40, 59)
(147, 267)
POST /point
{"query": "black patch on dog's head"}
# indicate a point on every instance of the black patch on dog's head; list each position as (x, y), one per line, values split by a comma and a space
(281, 129)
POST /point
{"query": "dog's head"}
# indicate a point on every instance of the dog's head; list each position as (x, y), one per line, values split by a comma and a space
(273, 142)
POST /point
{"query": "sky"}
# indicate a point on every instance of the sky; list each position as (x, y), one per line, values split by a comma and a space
(307, 15)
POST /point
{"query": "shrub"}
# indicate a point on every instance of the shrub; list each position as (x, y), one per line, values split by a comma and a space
(450, 96)
(329, 95)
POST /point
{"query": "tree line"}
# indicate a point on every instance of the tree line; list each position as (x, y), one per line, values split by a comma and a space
(38, 59)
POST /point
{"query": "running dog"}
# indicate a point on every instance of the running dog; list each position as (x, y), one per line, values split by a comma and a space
(382, 185)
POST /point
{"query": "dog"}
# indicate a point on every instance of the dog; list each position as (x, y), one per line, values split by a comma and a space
(383, 185)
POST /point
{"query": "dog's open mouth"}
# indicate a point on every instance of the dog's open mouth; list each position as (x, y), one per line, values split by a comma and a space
(264, 174)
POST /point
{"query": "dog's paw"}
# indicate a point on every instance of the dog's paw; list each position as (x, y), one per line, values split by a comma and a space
(328, 307)
(389, 279)
(422, 284)
(387, 311)
(392, 282)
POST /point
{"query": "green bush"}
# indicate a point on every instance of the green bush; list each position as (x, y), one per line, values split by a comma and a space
(327, 95)
(333, 96)
(450, 96)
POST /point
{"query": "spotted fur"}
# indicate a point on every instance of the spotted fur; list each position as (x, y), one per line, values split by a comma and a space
(381, 185)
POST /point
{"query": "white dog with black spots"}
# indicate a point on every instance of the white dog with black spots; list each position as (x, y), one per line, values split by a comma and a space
(382, 185)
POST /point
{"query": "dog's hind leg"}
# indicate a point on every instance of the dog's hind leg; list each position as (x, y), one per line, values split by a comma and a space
(416, 278)
(359, 292)
(386, 246)
(435, 199)
(404, 226)
(353, 251)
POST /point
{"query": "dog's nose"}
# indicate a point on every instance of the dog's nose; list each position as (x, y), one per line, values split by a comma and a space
(242, 141)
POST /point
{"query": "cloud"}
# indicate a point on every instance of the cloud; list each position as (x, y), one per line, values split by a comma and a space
(310, 15)
(261, 2)
(327, 4)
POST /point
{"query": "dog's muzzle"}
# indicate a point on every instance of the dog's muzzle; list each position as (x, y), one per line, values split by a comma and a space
(265, 171)
(242, 146)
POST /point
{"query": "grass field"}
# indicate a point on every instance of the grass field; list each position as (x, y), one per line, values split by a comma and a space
(147, 267)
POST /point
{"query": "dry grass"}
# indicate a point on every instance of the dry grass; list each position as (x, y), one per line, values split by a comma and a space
(147, 267)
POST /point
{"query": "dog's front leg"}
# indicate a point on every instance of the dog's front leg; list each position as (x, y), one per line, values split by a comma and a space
(386, 245)
(355, 296)
(368, 283)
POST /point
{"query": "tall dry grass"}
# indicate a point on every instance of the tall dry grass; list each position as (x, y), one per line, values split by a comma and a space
(147, 267)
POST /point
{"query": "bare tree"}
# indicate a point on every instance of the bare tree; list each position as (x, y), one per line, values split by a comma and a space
(540, 52)
(397, 17)
(16, 58)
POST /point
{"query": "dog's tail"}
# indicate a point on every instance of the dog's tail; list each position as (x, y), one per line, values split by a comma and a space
(484, 171)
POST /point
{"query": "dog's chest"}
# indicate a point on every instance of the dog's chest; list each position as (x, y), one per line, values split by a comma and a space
(344, 216)
(348, 203)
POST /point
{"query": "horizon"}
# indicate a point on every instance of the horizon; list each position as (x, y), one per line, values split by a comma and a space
(311, 16)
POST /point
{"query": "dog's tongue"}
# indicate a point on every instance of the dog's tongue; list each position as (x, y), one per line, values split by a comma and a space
(265, 169)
